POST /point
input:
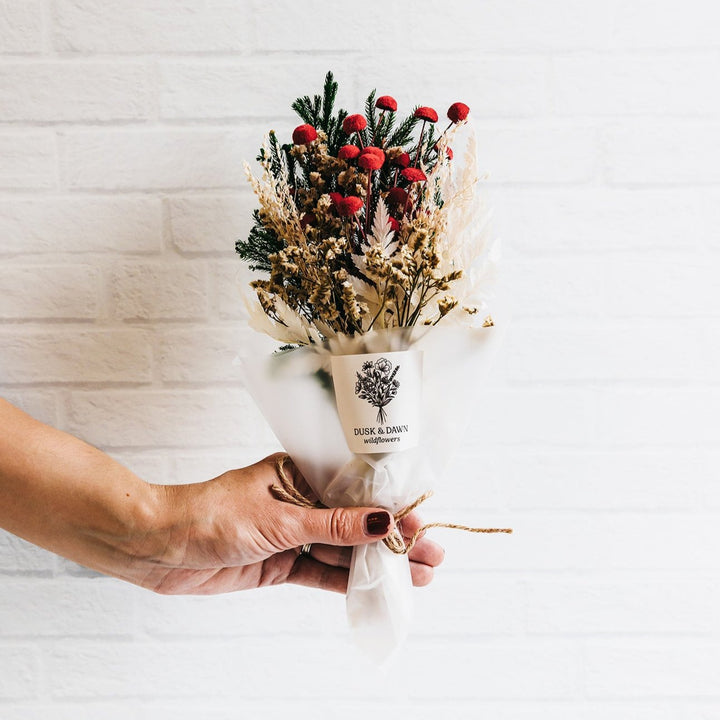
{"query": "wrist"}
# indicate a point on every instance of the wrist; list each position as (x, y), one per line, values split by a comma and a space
(152, 522)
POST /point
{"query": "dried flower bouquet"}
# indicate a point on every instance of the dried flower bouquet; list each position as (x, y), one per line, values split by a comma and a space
(375, 273)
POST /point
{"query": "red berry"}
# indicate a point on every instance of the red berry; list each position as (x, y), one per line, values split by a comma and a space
(397, 195)
(414, 175)
(354, 123)
(457, 112)
(304, 134)
(371, 160)
(349, 205)
(426, 113)
(348, 152)
(386, 102)
(402, 160)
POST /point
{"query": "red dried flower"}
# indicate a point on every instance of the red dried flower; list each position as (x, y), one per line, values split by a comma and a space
(426, 113)
(304, 134)
(457, 112)
(348, 152)
(373, 149)
(402, 160)
(354, 123)
(336, 197)
(448, 151)
(371, 160)
(349, 205)
(307, 219)
(397, 195)
(394, 224)
(386, 102)
(414, 175)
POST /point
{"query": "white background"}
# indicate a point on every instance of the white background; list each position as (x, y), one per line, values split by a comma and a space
(123, 125)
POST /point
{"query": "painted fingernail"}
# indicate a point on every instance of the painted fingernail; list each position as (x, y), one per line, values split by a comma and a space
(377, 523)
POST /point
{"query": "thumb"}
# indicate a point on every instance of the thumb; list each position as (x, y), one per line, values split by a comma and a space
(345, 525)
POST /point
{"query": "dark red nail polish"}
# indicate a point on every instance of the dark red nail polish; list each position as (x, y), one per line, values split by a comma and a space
(377, 523)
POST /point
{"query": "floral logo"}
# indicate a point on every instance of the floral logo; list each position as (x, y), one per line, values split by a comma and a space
(376, 383)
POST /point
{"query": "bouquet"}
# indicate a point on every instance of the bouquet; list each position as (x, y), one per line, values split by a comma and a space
(376, 276)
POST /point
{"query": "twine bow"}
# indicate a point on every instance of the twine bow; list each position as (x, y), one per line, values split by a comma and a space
(287, 492)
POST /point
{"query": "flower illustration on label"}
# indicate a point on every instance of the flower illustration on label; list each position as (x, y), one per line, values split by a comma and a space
(376, 383)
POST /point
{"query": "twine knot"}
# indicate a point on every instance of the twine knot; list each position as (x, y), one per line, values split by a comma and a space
(287, 492)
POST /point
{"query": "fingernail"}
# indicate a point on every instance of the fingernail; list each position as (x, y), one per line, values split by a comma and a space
(377, 523)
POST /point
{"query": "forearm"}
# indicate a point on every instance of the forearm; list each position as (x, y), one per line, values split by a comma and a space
(68, 497)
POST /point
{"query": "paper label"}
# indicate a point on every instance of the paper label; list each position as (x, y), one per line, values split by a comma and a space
(378, 398)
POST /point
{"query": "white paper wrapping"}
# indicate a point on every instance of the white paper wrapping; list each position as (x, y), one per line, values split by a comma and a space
(295, 392)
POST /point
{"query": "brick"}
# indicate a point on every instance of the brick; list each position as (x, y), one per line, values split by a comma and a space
(618, 351)
(200, 355)
(201, 224)
(27, 160)
(151, 468)
(21, 26)
(505, 417)
(192, 670)
(588, 606)
(159, 26)
(548, 288)
(231, 282)
(62, 92)
(471, 483)
(19, 556)
(478, 669)
(276, 26)
(677, 153)
(663, 287)
(636, 541)
(677, 668)
(495, 86)
(584, 480)
(75, 225)
(658, 417)
(70, 711)
(327, 708)
(21, 670)
(66, 607)
(459, 606)
(49, 291)
(129, 159)
(39, 356)
(160, 291)
(659, 286)
(255, 87)
(636, 84)
(203, 418)
(493, 25)
(537, 152)
(514, 86)
(284, 609)
(666, 24)
(708, 489)
(538, 220)
(42, 404)
(185, 468)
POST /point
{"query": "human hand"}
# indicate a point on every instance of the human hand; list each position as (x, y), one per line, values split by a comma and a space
(231, 534)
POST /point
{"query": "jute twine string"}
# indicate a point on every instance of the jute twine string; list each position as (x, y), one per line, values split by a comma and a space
(287, 492)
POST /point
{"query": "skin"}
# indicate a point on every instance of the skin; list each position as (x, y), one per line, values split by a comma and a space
(226, 534)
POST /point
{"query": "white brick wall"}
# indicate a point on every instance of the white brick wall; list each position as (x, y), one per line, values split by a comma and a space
(123, 126)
